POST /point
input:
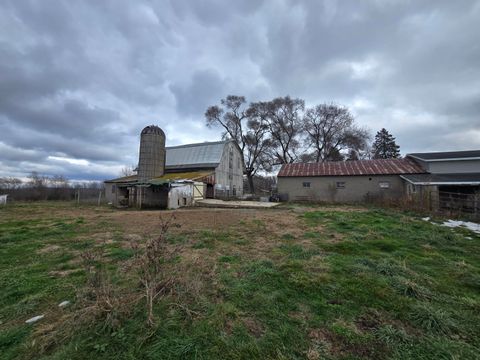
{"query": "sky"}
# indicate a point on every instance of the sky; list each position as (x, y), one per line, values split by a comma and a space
(80, 79)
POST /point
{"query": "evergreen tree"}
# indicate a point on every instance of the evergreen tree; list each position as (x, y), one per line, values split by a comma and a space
(384, 146)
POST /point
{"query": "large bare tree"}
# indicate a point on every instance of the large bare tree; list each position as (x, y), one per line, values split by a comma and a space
(331, 131)
(285, 128)
(247, 126)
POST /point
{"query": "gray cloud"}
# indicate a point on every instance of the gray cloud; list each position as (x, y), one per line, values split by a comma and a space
(79, 80)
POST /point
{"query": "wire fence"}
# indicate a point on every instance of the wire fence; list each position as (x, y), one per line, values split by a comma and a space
(447, 203)
(80, 195)
(462, 203)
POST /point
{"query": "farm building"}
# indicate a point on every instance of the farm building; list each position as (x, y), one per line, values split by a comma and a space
(345, 181)
(444, 180)
(171, 177)
(451, 181)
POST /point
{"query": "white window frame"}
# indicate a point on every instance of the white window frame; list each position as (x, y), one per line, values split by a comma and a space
(384, 184)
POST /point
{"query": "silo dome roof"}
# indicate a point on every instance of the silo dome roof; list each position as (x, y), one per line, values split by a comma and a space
(153, 129)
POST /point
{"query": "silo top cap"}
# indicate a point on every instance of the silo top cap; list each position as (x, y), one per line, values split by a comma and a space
(153, 129)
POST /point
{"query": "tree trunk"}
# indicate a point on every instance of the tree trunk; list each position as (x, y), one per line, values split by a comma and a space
(250, 183)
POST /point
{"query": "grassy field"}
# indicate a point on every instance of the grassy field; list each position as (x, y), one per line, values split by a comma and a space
(290, 283)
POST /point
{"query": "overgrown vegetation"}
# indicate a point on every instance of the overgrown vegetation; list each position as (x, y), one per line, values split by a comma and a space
(295, 283)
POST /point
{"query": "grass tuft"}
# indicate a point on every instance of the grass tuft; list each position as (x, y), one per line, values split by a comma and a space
(391, 335)
(410, 288)
(432, 319)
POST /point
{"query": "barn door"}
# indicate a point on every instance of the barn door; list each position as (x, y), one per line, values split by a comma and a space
(210, 193)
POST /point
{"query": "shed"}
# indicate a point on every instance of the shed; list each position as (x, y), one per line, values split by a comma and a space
(345, 181)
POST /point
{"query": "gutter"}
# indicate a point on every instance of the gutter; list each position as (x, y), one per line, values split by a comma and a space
(443, 159)
(472, 183)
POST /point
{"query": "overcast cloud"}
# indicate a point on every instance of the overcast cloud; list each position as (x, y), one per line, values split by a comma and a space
(80, 79)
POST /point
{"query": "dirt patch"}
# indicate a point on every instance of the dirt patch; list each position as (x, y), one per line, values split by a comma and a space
(49, 249)
(62, 273)
(262, 229)
(254, 327)
(338, 346)
(103, 238)
(132, 237)
(369, 321)
(145, 222)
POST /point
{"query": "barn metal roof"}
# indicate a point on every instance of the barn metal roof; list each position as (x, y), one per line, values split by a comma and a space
(443, 179)
(447, 155)
(352, 168)
(206, 155)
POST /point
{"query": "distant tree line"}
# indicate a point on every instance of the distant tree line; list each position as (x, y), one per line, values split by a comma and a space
(283, 131)
(43, 187)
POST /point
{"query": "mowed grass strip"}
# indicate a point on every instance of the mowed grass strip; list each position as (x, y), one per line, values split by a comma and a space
(337, 284)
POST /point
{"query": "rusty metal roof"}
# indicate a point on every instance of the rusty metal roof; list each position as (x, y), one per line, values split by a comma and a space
(352, 168)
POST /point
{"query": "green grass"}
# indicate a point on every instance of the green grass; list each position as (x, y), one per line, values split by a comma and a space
(376, 284)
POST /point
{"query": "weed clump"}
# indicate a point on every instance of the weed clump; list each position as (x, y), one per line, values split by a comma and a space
(391, 335)
(150, 266)
(410, 288)
(431, 319)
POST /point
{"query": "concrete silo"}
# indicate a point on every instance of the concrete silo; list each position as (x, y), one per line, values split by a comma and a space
(151, 161)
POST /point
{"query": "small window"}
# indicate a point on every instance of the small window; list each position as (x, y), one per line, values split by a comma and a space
(384, 184)
(306, 184)
(113, 189)
(412, 188)
(340, 184)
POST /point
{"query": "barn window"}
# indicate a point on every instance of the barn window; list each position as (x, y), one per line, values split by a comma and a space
(113, 189)
(306, 184)
(384, 184)
(340, 184)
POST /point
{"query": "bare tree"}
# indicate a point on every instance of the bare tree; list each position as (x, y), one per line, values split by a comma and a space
(36, 180)
(247, 126)
(128, 170)
(256, 141)
(59, 187)
(38, 184)
(331, 130)
(58, 181)
(10, 183)
(285, 128)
